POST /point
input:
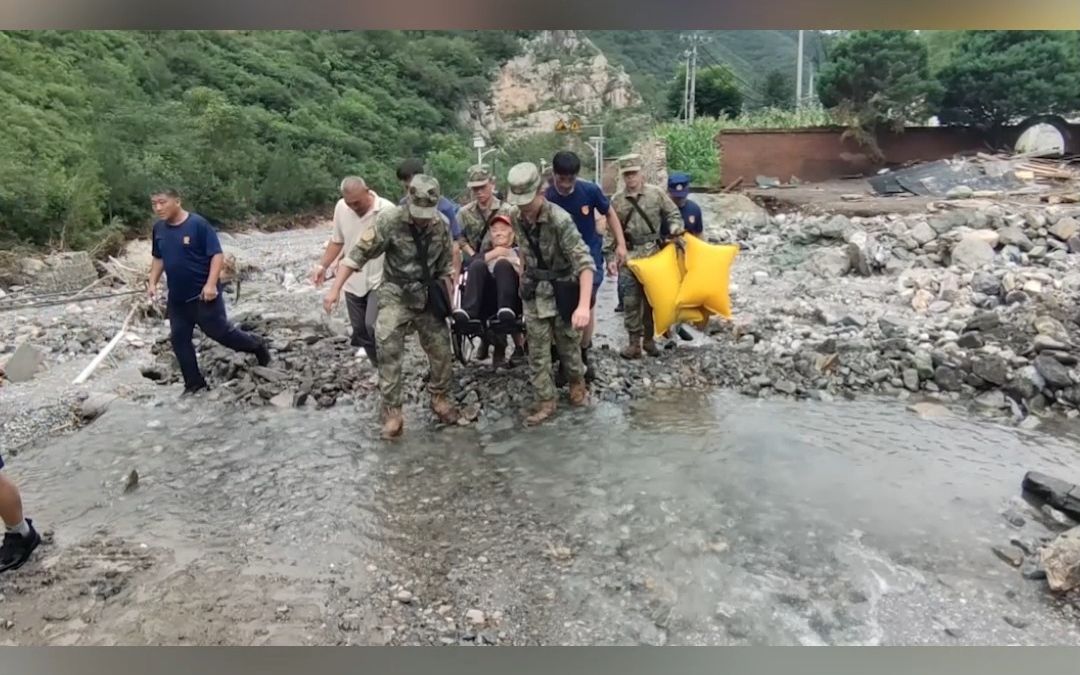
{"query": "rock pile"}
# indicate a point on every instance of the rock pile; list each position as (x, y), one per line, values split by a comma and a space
(974, 304)
(71, 332)
(313, 366)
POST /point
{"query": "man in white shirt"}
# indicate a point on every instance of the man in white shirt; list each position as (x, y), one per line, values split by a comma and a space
(355, 214)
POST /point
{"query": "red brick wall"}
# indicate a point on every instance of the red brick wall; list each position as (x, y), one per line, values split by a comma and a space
(820, 154)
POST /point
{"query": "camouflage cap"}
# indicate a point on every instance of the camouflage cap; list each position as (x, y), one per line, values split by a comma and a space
(423, 198)
(524, 180)
(629, 163)
(479, 175)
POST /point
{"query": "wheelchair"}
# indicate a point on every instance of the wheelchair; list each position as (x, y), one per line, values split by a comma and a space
(466, 336)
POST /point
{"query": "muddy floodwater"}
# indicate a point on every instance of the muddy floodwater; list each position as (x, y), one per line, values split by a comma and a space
(683, 519)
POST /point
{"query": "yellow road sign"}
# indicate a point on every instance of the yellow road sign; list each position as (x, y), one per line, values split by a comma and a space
(575, 126)
(560, 126)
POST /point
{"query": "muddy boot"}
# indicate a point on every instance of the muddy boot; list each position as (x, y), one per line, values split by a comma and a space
(393, 423)
(541, 412)
(483, 351)
(518, 357)
(579, 393)
(633, 349)
(649, 347)
(446, 411)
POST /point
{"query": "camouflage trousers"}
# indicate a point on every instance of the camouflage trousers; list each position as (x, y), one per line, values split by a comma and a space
(637, 314)
(542, 334)
(393, 324)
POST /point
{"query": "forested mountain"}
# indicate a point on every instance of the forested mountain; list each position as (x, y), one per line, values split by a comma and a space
(249, 121)
(651, 57)
(267, 122)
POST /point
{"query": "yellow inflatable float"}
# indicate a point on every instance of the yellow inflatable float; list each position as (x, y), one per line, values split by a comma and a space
(689, 290)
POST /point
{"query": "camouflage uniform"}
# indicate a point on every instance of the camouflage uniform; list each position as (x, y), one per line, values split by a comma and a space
(566, 257)
(403, 295)
(472, 218)
(665, 219)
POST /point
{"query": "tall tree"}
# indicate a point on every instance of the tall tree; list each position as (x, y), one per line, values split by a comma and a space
(716, 94)
(998, 77)
(879, 77)
(778, 90)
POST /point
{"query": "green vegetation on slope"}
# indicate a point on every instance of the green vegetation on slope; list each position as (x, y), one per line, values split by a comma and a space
(246, 122)
(652, 57)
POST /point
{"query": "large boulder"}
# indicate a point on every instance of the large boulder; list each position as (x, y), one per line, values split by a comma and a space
(1055, 374)
(866, 254)
(1061, 559)
(1058, 493)
(831, 263)
(1014, 236)
(722, 211)
(837, 227)
(972, 253)
(1066, 229)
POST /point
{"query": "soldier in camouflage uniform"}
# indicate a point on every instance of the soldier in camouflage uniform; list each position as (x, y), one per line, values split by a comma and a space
(655, 219)
(475, 216)
(554, 254)
(402, 233)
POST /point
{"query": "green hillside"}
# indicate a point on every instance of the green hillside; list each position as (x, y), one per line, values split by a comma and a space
(247, 122)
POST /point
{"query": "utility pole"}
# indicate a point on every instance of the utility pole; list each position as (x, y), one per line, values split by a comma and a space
(798, 74)
(596, 144)
(686, 90)
(811, 99)
(693, 75)
(478, 143)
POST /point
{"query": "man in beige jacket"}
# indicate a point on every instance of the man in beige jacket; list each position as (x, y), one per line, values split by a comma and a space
(354, 214)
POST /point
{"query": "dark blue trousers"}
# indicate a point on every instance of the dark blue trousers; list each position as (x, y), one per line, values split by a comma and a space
(210, 317)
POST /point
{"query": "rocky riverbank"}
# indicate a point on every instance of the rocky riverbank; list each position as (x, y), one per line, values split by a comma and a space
(973, 303)
(308, 531)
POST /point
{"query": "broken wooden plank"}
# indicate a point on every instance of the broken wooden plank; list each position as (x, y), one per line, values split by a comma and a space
(89, 370)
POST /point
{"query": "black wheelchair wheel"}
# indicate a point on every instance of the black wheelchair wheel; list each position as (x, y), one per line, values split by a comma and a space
(464, 346)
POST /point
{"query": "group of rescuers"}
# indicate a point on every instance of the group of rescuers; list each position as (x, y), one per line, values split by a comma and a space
(537, 254)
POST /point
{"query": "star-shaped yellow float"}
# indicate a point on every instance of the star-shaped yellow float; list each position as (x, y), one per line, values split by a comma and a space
(688, 288)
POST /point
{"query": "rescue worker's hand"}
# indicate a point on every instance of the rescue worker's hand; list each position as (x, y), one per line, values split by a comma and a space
(330, 301)
(620, 255)
(209, 293)
(152, 294)
(318, 276)
(580, 319)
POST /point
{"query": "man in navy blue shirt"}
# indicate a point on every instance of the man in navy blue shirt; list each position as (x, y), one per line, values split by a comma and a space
(186, 247)
(679, 189)
(583, 200)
